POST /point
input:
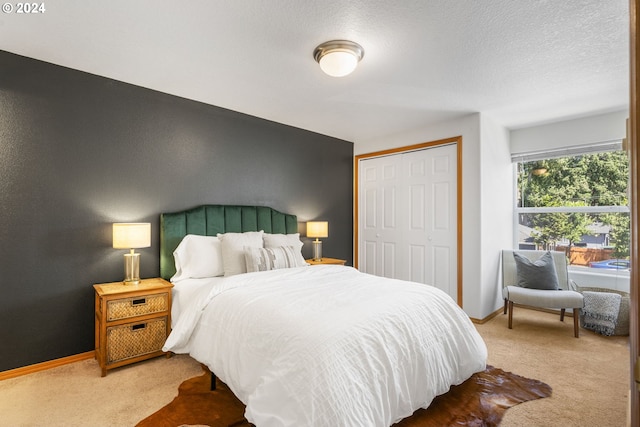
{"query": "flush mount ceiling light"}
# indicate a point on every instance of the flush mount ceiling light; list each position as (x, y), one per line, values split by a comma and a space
(338, 58)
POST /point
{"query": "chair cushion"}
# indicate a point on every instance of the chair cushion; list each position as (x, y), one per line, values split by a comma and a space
(543, 298)
(539, 274)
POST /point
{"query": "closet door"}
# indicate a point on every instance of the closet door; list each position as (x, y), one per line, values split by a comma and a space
(430, 223)
(407, 216)
(380, 187)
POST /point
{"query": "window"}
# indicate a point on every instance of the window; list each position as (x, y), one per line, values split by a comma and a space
(576, 201)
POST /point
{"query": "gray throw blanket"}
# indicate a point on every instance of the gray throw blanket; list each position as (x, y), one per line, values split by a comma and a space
(600, 311)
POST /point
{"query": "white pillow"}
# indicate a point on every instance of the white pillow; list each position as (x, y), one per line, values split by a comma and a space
(280, 240)
(233, 245)
(197, 257)
(265, 259)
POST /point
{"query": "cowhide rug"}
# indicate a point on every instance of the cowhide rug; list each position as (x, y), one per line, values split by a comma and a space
(479, 401)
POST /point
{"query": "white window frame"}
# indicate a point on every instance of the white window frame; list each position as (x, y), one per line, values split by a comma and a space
(613, 145)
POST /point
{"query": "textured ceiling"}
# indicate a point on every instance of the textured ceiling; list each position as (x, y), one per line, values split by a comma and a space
(522, 62)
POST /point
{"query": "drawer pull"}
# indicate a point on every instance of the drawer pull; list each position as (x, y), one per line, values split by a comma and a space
(138, 327)
(139, 301)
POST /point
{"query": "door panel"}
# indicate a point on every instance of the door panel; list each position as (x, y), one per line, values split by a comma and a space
(370, 214)
(418, 267)
(389, 260)
(410, 216)
(438, 205)
(442, 164)
(369, 249)
(418, 208)
(389, 206)
(378, 182)
(442, 200)
(442, 274)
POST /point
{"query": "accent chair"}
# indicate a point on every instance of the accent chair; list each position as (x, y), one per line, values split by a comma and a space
(515, 291)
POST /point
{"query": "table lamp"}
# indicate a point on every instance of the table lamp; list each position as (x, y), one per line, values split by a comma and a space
(131, 235)
(317, 229)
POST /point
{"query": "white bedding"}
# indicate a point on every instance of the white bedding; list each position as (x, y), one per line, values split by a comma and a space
(329, 346)
(186, 292)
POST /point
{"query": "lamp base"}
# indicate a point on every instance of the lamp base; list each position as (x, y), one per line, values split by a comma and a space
(317, 250)
(131, 269)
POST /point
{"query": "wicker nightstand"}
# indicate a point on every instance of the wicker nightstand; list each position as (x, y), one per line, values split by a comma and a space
(132, 321)
(326, 261)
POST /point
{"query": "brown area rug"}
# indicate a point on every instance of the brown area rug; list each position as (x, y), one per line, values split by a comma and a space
(479, 401)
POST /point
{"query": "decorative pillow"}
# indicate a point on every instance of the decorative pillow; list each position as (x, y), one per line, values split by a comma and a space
(233, 245)
(264, 259)
(197, 257)
(539, 274)
(279, 240)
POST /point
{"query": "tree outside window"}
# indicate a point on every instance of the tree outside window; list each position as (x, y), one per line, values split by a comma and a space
(578, 204)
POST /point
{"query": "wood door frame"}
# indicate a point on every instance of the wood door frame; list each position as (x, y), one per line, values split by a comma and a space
(634, 164)
(406, 149)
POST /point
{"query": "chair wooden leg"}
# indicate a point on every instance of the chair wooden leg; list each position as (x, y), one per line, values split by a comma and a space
(576, 325)
(562, 314)
(505, 306)
(510, 314)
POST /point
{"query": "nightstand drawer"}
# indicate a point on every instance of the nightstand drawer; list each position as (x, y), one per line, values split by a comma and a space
(135, 339)
(137, 306)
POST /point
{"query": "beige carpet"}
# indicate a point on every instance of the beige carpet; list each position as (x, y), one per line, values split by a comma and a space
(589, 377)
(76, 395)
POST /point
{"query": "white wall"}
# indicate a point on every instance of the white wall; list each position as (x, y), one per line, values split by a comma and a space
(585, 130)
(497, 203)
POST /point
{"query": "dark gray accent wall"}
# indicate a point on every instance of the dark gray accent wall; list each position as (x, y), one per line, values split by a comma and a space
(79, 152)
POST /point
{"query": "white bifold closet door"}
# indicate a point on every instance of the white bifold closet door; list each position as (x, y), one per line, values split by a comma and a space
(407, 208)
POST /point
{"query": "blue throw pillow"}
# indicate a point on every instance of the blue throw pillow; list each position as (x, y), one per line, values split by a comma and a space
(539, 274)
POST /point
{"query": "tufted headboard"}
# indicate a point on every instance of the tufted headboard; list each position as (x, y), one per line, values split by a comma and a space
(209, 220)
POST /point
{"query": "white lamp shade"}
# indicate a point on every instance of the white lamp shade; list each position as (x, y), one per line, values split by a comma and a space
(131, 235)
(317, 229)
(338, 63)
(338, 58)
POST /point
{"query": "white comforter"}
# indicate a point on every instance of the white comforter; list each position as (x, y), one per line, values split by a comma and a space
(328, 345)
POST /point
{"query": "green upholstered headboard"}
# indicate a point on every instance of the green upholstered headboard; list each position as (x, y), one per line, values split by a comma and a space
(209, 220)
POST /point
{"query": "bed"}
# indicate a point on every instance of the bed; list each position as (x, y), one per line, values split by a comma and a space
(307, 345)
